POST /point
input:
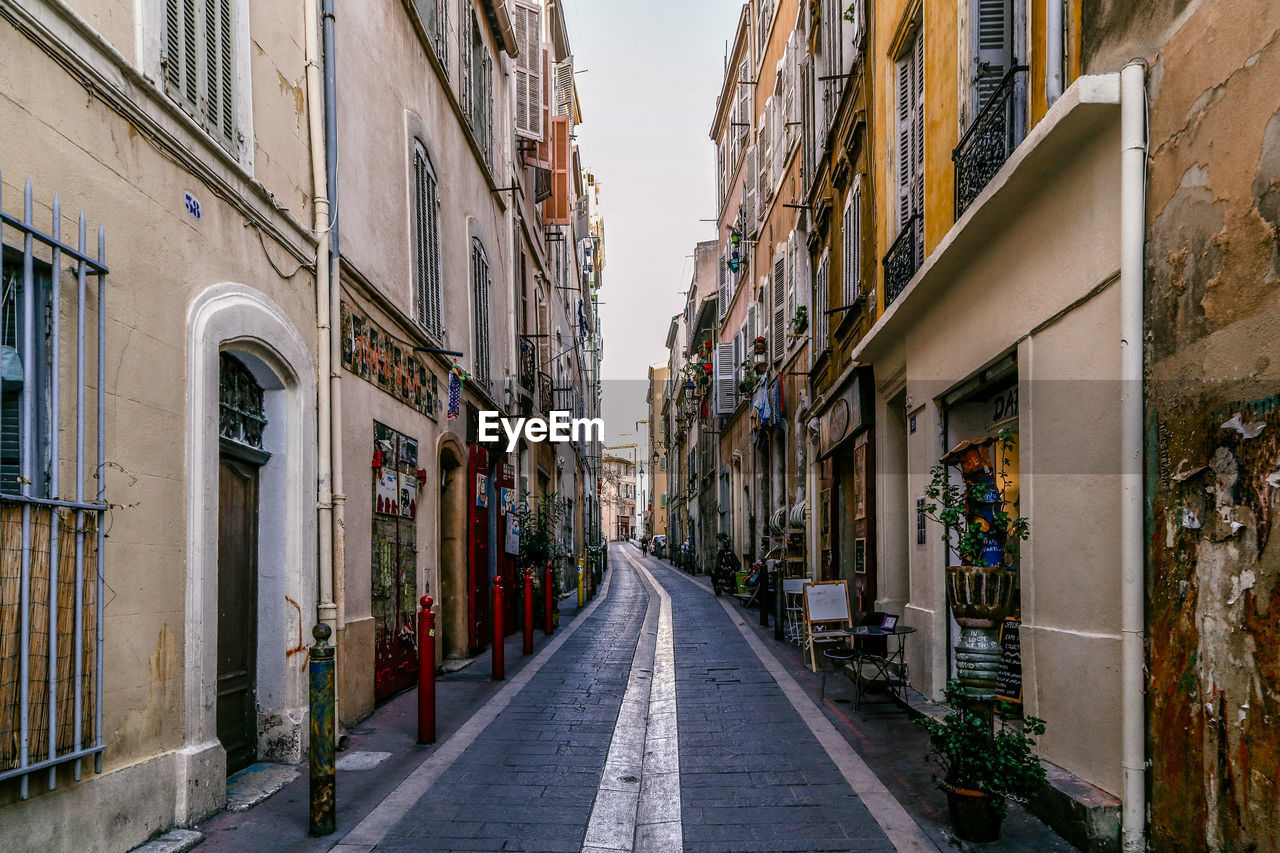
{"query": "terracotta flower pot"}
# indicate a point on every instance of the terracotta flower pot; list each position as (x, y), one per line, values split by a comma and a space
(974, 815)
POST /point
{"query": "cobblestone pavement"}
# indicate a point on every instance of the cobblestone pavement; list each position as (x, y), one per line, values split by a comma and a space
(594, 752)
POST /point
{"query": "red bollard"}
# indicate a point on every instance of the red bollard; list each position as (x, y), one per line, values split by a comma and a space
(426, 672)
(547, 625)
(528, 611)
(499, 635)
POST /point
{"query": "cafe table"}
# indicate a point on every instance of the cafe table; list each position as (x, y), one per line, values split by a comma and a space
(889, 667)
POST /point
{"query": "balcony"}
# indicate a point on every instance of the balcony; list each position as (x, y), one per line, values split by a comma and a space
(528, 365)
(903, 258)
(544, 391)
(989, 141)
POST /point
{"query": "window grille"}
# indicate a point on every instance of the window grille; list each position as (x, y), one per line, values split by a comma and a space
(198, 63)
(426, 223)
(480, 302)
(51, 532)
(241, 416)
(434, 15)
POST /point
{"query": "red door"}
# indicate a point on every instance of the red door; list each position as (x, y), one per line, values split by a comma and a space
(478, 547)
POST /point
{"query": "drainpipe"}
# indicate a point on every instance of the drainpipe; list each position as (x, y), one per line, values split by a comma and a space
(1133, 141)
(326, 610)
(334, 377)
(1054, 54)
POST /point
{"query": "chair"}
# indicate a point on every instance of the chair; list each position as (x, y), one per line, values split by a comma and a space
(793, 608)
(837, 658)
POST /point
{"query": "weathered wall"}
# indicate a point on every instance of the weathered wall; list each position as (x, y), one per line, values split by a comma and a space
(1212, 322)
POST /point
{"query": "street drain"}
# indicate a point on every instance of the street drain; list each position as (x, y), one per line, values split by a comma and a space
(629, 779)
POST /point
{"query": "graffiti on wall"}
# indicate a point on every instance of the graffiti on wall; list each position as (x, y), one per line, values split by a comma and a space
(371, 353)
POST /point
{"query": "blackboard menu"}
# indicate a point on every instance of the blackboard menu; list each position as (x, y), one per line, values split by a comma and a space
(1009, 677)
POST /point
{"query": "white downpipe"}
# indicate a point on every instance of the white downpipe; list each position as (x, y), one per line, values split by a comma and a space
(1133, 166)
(326, 610)
(1054, 54)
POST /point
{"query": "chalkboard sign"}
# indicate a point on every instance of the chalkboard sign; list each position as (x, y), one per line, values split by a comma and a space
(1009, 677)
(826, 602)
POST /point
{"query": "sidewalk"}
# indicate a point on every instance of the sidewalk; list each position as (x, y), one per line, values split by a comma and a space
(384, 747)
(883, 734)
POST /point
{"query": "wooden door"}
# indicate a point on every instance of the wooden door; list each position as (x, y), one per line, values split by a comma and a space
(237, 611)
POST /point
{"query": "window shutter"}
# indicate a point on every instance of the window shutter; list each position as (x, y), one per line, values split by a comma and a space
(466, 73)
(557, 209)
(725, 391)
(744, 102)
(427, 239)
(821, 302)
(722, 296)
(198, 63)
(779, 140)
(906, 113)
(753, 325)
(739, 352)
(720, 175)
(764, 151)
(793, 259)
(992, 35)
(486, 86)
(849, 259)
(544, 336)
(564, 89)
(749, 192)
(480, 303)
(917, 148)
(808, 129)
(528, 78)
(778, 335)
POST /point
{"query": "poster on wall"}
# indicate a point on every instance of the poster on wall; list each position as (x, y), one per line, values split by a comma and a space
(387, 492)
(512, 544)
(482, 490)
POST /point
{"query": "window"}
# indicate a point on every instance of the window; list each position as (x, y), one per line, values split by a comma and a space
(476, 82)
(241, 416)
(16, 355)
(852, 260)
(198, 64)
(480, 304)
(434, 15)
(426, 244)
(778, 344)
(993, 39)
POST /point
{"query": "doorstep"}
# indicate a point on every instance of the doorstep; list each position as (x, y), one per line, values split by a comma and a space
(256, 783)
(173, 841)
(1080, 812)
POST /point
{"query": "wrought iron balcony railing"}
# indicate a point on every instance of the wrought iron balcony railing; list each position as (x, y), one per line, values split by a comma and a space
(528, 365)
(903, 259)
(988, 142)
(544, 391)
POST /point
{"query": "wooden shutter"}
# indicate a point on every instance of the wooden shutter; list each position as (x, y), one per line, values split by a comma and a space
(752, 325)
(198, 63)
(778, 334)
(486, 86)
(726, 393)
(427, 240)
(480, 303)
(564, 88)
(722, 294)
(793, 275)
(851, 260)
(821, 302)
(466, 73)
(557, 210)
(528, 77)
(749, 193)
(739, 352)
(808, 128)
(764, 151)
(992, 35)
(744, 102)
(917, 147)
(720, 174)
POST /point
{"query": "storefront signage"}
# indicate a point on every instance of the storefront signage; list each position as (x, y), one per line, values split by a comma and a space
(371, 353)
(847, 414)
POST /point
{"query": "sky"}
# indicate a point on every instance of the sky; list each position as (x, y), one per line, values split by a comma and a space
(649, 73)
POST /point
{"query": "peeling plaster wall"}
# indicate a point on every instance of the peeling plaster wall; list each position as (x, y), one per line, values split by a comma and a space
(1212, 319)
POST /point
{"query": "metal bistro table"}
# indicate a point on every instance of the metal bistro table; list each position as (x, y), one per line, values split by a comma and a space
(887, 660)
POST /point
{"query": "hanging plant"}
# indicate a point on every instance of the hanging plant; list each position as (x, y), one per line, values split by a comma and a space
(800, 321)
(761, 345)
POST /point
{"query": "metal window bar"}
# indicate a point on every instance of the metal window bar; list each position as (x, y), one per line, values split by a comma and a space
(988, 142)
(902, 260)
(51, 708)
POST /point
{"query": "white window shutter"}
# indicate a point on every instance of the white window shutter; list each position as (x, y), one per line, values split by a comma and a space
(779, 141)
(466, 74)
(528, 76)
(749, 192)
(821, 301)
(725, 390)
(744, 102)
(722, 297)
(906, 117)
(753, 324)
(792, 264)
(764, 153)
(739, 353)
(564, 88)
(993, 38)
(778, 335)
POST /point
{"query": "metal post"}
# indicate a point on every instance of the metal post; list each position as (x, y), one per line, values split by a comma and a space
(582, 593)
(324, 816)
(426, 672)
(499, 635)
(528, 611)
(762, 596)
(777, 604)
(546, 627)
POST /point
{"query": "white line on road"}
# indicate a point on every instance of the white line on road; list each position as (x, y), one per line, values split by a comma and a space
(903, 832)
(638, 804)
(369, 832)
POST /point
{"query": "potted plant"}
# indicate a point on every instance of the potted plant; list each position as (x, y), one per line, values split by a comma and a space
(974, 514)
(982, 768)
(747, 383)
(800, 321)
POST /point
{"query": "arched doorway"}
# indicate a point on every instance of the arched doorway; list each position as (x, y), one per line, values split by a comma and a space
(453, 552)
